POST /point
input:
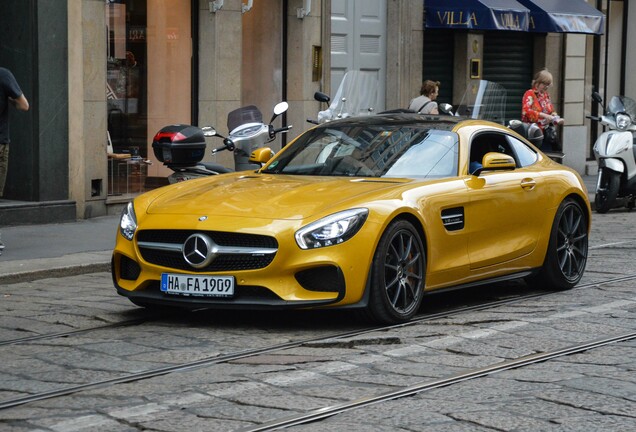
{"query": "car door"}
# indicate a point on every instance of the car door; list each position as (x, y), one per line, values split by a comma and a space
(503, 216)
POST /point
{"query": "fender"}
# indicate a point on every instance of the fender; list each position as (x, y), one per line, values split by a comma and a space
(612, 164)
(613, 142)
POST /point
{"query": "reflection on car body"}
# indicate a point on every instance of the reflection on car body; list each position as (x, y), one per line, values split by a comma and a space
(364, 213)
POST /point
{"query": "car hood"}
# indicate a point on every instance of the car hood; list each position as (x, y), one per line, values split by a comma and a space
(265, 195)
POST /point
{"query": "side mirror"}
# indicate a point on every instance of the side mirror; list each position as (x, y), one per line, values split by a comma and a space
(261, 155)
(209, 131)
(321, 97)
(280, 108)
(596, 97)
(494, 161)
(445, 108)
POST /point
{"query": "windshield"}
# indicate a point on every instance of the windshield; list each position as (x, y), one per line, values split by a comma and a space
(378, 150)
(356, 96)
(484, 100)
(622, 104)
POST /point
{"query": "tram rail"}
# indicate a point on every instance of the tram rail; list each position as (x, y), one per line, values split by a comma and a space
(209, 361)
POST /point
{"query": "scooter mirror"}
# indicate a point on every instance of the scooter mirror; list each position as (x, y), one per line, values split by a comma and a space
(597, 98)
(321, 97)
(208, 131)
(280, 108)
(445, 108)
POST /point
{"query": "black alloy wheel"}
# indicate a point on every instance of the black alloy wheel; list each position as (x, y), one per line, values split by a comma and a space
(397, 275)
(567, 252)
(607, 191)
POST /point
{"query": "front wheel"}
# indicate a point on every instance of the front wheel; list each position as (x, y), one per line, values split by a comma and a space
(607, 190)
(567, 251)
(397, 274)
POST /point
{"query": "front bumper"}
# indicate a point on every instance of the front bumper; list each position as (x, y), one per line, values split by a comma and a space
(292, 278)
(148, 291)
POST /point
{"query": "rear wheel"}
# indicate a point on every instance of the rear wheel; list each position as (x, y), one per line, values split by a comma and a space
(397, 275)
(567, 251)
(607, 190)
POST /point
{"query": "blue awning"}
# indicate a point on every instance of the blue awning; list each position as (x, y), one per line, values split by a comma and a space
(477, 15)
(558, 16)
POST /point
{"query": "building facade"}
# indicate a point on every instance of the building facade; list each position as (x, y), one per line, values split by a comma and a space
(104, 76)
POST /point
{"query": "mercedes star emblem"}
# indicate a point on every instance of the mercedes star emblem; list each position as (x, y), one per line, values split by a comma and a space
(199, 250)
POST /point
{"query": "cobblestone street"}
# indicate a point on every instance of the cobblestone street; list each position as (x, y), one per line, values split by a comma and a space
(204, 371)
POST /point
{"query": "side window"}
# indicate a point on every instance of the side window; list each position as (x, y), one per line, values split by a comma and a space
(525, 155)
(485, 143)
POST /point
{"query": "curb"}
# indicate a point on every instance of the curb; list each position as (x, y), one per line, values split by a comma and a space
(17, 271)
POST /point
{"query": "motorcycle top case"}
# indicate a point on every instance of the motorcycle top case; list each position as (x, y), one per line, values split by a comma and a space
(179, 145)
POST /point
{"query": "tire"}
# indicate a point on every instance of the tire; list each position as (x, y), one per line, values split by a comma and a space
(608, 191)
(397, 275)
(567, 251)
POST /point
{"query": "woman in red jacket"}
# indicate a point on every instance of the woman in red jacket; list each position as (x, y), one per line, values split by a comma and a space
(536, 106)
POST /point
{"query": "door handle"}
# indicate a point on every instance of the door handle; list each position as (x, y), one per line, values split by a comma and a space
(528, 184)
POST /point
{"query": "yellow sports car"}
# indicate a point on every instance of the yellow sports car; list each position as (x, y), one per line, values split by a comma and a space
(368, 213)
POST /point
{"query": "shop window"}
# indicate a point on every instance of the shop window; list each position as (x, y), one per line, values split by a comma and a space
(148, 85)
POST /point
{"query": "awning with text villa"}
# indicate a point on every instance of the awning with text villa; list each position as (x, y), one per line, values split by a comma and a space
(558, 16)
(541, 16)
(477, 15)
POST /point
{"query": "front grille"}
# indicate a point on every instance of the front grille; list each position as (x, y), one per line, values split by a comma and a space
(225, 262)
(221, 238)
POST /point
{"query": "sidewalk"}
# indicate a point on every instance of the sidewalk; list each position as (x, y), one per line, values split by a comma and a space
(65, 249)
(61, 249)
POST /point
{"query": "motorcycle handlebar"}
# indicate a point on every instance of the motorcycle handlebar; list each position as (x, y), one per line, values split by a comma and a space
(282, 130)
(218, 149)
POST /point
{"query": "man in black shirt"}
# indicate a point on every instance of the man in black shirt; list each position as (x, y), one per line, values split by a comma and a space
(10, 93)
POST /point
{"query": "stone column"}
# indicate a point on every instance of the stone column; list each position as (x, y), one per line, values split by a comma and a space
(220, 60)
(306, 39)
(405, 44)
(87, 138)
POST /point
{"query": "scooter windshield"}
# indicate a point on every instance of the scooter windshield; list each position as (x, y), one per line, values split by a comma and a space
(484, 100)
(623, 104)
(356, 96)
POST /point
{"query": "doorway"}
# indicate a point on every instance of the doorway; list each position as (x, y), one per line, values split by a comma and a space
(358, 42)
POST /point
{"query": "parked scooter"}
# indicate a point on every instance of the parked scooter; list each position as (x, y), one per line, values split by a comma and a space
(182, 147)
(615, 152)
(530, 131)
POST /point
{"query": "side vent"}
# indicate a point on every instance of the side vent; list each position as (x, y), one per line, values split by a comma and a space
(453, 218)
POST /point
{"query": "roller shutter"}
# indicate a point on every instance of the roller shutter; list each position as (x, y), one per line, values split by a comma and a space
(508, 60)
(437, 63)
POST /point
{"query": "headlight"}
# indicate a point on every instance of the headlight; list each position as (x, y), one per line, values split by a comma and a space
(128, 222)
(623, 121)
(331, 230)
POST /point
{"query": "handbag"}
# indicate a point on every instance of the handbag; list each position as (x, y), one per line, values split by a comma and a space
(550, 139)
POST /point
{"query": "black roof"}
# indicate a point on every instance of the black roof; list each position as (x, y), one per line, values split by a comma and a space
(397, 117)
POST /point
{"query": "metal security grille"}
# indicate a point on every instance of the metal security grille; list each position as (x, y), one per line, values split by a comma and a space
(508, 61)
(438, 62)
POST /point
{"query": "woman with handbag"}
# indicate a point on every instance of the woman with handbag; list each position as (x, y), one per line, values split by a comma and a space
(536, 107)
(425, 102)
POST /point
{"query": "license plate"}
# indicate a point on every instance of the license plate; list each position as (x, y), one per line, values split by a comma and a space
(196, 285)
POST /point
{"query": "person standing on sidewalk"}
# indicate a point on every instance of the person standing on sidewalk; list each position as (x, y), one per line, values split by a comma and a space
(10, 93)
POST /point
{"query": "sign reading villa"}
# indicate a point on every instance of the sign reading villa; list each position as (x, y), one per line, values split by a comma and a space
(468, 19)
